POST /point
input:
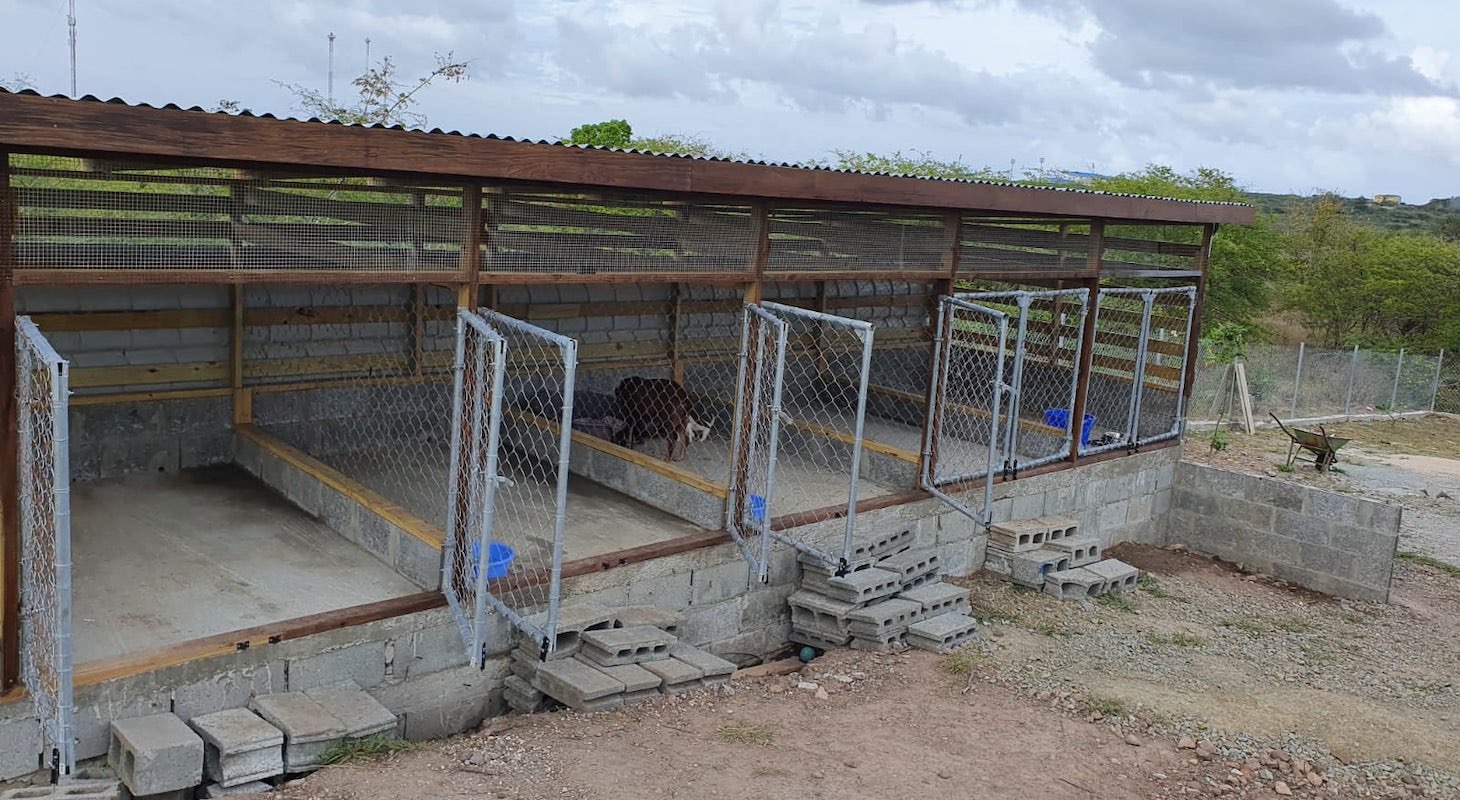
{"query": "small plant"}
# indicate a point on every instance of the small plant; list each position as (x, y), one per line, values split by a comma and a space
(1429, 561)
(1285, 468)
(959, 663)
(1250, 627)
(1105, 706)
(1050, 629)
(1294, 625)
(369, 747)
(1351, 618)
(747, 734)
(1117, 600)
(1316, 655)
(1147, 583)
(1179, 639)
(1219, 440)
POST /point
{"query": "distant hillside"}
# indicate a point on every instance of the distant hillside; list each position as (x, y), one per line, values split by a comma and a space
(1429, 218)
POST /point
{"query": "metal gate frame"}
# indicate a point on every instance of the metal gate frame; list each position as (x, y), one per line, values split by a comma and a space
(45, 539)
(1131, 436)
(752, 531)
(753, 366)
(1024, 299)
(932, 482)
(483, 503)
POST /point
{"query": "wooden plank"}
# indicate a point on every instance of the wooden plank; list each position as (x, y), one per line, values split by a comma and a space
(242, 402)
(1203, 263)
(82, 400)
(88, 276)
(655, 465)
(9, 442)
(334, 479)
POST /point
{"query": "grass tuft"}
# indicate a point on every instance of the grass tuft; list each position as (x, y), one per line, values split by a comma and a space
(1117, 600)
(1429, 561)
(1147, 583)
(1250, 627)
(1293, 625)
(1179, 639)
(960, 663)
(369, 747)
(747, 734)
(1105, 706)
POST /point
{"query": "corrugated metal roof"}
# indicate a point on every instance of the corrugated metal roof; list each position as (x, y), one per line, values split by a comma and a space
(645, 153)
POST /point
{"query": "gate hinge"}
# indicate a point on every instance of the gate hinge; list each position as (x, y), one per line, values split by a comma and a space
(842, 568)
(543, 652)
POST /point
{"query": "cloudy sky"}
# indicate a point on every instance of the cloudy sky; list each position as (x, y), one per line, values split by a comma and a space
(1358, 96)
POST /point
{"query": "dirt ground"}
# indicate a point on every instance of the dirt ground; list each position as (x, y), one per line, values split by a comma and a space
(1206, 681)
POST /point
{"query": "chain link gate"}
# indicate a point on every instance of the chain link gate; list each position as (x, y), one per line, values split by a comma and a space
(42, 395)
(1160, 390)
(1142, 343)
(1042, 370)
(963, 439)
(512, 425)
(801, 407)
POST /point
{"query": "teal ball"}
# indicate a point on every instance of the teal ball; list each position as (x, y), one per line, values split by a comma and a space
(807, 654)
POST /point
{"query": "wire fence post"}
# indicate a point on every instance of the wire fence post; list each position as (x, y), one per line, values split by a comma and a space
(1435, 388)
(1298, 376)
(1353, 371)
(1394, 392)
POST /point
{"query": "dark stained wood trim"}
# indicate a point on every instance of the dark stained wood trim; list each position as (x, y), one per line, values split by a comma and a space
(127, 277)
(9, 442)
(30, 123)
(1203, 262)
(1087, 351)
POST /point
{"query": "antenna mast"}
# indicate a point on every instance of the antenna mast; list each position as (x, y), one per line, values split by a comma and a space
(331, 87)
(71, 23)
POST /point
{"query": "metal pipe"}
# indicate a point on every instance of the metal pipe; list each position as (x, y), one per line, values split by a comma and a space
(1298, 377)
(560, 517)
(762, 525)
(453, 514)
(856, 475)
(1179, 427)
(780, 377)
(819, 316)
(1435, 388)
(998, 386)
(1353, 372)
(482, 490)
(1016, 384)
(935, 401)
(1138, 372)
(1394, 392)
(733, 487)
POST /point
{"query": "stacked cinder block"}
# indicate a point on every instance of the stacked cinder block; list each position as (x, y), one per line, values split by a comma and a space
(891, 594)
(1049, 553)
(608, 658)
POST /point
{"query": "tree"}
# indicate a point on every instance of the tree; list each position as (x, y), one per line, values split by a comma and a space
(17, 82)
(613, 133)
(618, 134)
(382, 98)
(917, 164)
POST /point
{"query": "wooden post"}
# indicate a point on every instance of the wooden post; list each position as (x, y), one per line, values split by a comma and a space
(242, 397)
(1203, 262)
(676, 314)
(471, 247)
(939, 290)
(9, 441)
(1087, 353)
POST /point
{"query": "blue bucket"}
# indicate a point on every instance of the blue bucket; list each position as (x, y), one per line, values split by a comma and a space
(757, 508)
(499, 559)
(1060, 418)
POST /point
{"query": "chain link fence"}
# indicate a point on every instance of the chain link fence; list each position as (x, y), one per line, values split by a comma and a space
(42, 396)
(1310, 383)
(755, 431)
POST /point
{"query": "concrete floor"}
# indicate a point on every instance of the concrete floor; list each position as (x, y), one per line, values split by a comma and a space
(598, 520)
(160, 559)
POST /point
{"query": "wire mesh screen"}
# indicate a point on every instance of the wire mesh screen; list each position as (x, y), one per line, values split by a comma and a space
(988, 245)
(369, 374)
(1043, 370)
(1120, 326)
(1447, 387)
(820, 403)
(91, 214)
(471, 488)
(542, 232)
(1148, 247)
(756, 429)
(531, 482)
(1161, 409)
(45, 541)
(1320, 388)
(824, 240)
(964, 437)
(1414, 389)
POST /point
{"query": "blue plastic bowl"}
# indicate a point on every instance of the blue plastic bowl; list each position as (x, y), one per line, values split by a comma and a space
(757, 508)
(499, 559)
(1060, 418)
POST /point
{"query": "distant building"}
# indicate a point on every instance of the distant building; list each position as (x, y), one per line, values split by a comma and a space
(1386, 199)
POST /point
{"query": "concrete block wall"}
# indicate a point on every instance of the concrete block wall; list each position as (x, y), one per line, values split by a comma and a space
(1326, 541)
(414, 559)
(114, 439)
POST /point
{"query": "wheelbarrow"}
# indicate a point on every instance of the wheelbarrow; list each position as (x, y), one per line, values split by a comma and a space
(1323, 447)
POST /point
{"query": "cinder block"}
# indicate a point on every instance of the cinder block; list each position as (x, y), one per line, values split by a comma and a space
(675, 675)
(1081, 550)
(574, 618)
(1118, 575)
(634, 677)
(362, 715)
(362, 663)
(885, 642)
(817, 639)
(858, 588)
(711, 666)
(309, 730)
(239, 747)
(668, 621)
(886, 617)
(611, 703)
(523, 689)
(1026, 568)
(872, 546)
(719, 583)
(71, 790)
(156, 754)
(250, 789)
(943, 632)
(615, 646)
(1072, 584)
(810, 610)
(1018, 535)
(938, 598)
(913, 567)
(20, 746)
(631, 698)
(574, 682)
(1060, 528)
